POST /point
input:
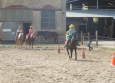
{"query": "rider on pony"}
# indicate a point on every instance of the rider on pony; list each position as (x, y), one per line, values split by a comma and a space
(30, 32)
(69, 34)
(19, 30)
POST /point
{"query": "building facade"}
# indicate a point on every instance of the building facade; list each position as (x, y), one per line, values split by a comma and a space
(43, 15)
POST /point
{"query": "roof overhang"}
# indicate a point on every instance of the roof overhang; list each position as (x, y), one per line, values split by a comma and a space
(90, 13)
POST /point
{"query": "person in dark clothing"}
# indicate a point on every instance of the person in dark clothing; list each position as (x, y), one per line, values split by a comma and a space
(89, 41)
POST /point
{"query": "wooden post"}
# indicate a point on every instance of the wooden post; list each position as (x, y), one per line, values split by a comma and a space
(96, 38)
(82, 37)
(83, 41)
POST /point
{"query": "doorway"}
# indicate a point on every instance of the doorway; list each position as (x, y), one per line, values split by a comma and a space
(67, 27)
(26, 27)
(82, 28)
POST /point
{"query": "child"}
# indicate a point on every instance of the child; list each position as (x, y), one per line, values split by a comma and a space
(30, 32)
(65, 38)
(70, 32)
(89, 41)
(19, 30)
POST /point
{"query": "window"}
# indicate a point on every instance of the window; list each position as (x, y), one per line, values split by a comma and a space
(48, 19)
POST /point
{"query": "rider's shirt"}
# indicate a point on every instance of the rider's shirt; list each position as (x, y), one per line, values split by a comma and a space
(19, 30)
(30, 32)
(71, 31)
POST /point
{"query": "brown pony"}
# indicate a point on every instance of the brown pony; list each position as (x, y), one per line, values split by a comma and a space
(20, 40)
(48, 34)
(30, 40)
(72, 46)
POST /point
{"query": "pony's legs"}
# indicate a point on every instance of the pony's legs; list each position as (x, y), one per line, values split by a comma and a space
(32, 45)
(26, 41)
(68, 53)
(46, 40)
(71, 50)
(21, 43)
(54, 40)
(29, 44)
(17, 44)
(75, 55)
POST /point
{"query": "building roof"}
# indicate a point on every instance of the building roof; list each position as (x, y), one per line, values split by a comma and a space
(90, 13)
(92, 4)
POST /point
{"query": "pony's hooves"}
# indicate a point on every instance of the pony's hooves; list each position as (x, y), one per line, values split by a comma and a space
(70, 57)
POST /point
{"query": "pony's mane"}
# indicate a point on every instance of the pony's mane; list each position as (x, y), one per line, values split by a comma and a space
(20, 34)
(33, 34)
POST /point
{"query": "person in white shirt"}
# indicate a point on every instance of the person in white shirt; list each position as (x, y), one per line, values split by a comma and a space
(19, 30)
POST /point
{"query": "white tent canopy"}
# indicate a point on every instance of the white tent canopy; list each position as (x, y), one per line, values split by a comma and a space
(90, 13)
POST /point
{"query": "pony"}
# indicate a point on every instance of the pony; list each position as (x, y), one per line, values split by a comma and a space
(72, 46)
(49, 34)
(19, 40)
(30, 40)
(0, 41)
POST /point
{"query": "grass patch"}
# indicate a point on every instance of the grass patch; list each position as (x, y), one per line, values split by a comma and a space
(105, 48)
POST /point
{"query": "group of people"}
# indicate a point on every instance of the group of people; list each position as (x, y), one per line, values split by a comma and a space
(69, 35)
(19, 30)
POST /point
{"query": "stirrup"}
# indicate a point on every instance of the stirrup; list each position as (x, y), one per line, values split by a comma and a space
(78, 44)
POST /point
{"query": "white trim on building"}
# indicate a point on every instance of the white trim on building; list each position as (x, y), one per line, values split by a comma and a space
(90, 13)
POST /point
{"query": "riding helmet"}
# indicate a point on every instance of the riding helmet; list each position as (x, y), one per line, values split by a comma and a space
(30, 26)
(19, 27)
(71, 26)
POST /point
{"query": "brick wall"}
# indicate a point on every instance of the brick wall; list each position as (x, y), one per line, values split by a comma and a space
(32, 3)
(58, 5)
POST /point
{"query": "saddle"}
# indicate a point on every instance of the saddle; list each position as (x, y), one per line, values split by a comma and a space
(74, 35)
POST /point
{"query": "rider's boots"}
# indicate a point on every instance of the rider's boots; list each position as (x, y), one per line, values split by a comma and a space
(78, 44)
(66, 43)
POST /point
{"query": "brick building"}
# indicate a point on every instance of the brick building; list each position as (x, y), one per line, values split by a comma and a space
(43, 15)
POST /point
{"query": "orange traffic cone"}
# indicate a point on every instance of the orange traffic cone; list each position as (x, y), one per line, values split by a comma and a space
(83, 53)
(113, 59)
(58, 49)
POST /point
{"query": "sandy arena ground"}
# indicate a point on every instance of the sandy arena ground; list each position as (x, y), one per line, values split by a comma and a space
(49, 66)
